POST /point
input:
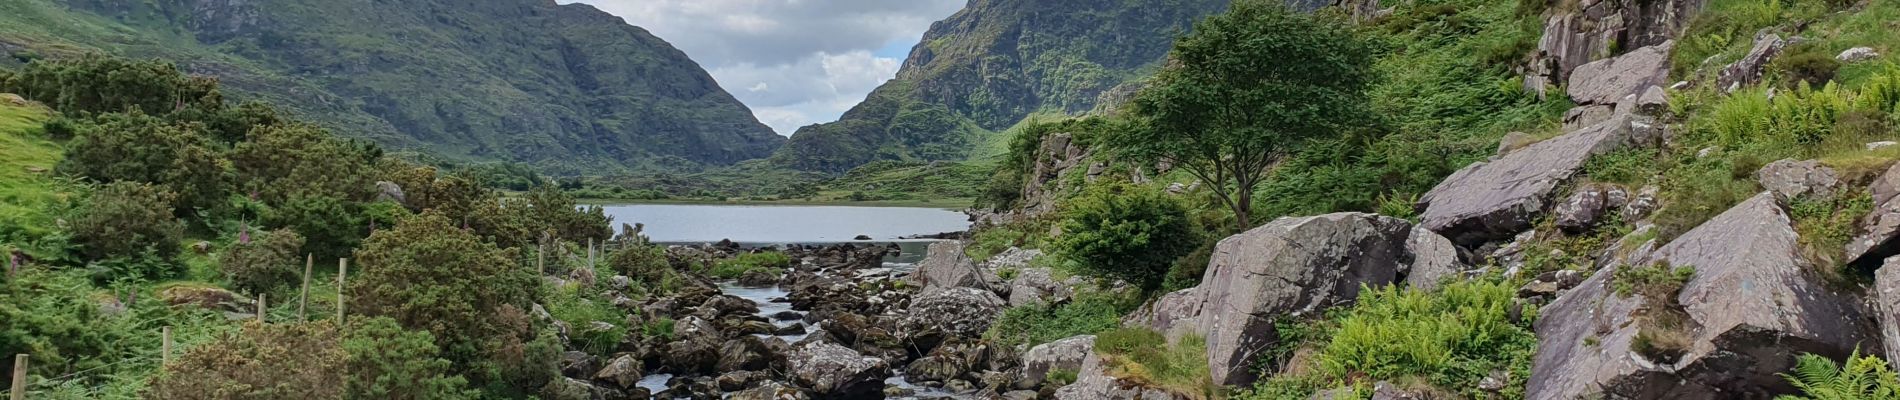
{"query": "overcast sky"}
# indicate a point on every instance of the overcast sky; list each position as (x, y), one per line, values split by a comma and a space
(794, 62)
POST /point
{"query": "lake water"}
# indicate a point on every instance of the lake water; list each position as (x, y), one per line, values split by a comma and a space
(697, 223)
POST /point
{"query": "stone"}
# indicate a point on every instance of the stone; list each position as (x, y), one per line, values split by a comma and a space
(1094, 383)
(771, 391)
(1583, 116)
(956, 312)
(1880, 145)
(1497, 199)
(1433, 259)
(1035, 285)
(1748, 70)
(623, 371)
(862, 237)
(1065, 354)
(1513, 141)
(738, 380)
(1550, 283)
(757, 278)
(1582, 209)
(1609, 80)
(1857, 54)
(1172, 314)
(1875, 238)
(1654, 102)
(1886, 299)
(945, 266)
(390, 191)
(835, 372)
(1791, 179)
(1751, 308)
(201, 247)
(743, 353)
(13, 100)
(1289, 267)
(1646, 201)
(578, 364)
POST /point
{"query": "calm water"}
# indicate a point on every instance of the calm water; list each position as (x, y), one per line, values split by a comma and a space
(694, 223)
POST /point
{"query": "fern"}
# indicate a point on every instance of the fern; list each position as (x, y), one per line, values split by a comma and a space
(1864, 377)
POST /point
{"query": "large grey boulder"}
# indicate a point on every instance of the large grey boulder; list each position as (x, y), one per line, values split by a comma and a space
(1748, 70)
(1875, 239)
(1608, 81)
(1751, 308)
(1587, 30)
(1094, 383)
(835, 372)
(1857, 54)
(1291, 266)
(1589, 204)
(1066, 354)
(1499, 198)
(1791, 179)
(1886, 299)
(390, 191)
(945, 266)
(1433, 259)
(952, 312)
(624, 371)
(1172, 314)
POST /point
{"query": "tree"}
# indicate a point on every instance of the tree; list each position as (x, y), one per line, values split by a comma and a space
(371, 358)
(1132, 233)
(128, 220)
(103, 84)
(1244, 90)
(137, 147)
(263, 261)
(284, 161)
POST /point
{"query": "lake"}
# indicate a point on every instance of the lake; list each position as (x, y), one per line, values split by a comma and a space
(772, 224)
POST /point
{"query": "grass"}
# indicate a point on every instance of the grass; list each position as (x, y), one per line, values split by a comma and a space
(1088, 313)
(571, 304)
(1663, 328)
(1146, 358)
(1825, 226)
(773, 263)
(28, 199)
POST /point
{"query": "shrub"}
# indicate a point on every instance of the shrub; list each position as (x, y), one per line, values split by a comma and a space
(128, 220)
(1129, 233)
(140, 148)
(259, 362)
(570, 304)
(1805, 64)
(52, 317)
(331, 226)
(1089, 313)
(263, 262)
(1862, 378)
(641, 262)
(388, 362)
(103, 84)
(281, 162)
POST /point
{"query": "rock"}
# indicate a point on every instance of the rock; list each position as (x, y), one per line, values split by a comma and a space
(578, 364)
(862, 237)
(209, 298)
(955, 312)
(738, 380)
(744, 353)
(1497, 199)
(835, 372)
(695, 346)
(757, 278)
(12, 100)
(1886, 299)
(1578, 33)
(1172, 314)
(1583, 116)
(1880, 145)
(1066, 354)
(1857, 54)
(1608, 81)
(1094, 383)
(771, 391)
(1654, 102)
(1177, 188)
(620, 282)
(945, 266)
(1513, 141)
(623, 371)
(1433, 259)
(1034, 285)
(1751, 309)
(390, 191)
(1791, 179)
(1748, 70)
(1057, 154)
(1013, 258)
(1550, 283)
(201, 247)
(1291, 266)
(1646, 201)
(1875, 238)
(1019, 395)
(1587, 205)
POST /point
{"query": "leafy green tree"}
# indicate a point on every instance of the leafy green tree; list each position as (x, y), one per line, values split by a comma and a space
(280, 162)
(1131, 233)
(104, 84)
(128, 220)
(428, 274)
(137, 147)
(331, 227)
(1243, 91)
(264, 261)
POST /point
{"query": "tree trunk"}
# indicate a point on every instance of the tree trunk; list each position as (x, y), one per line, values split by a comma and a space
(1243, 209)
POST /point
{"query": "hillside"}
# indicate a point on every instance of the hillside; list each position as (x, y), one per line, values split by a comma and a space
(566, 88)
(990, 65)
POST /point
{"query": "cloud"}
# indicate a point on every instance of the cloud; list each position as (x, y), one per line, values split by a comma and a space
(794, 62)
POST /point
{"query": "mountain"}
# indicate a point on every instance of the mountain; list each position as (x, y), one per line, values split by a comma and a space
(990, 65)
(567, 88)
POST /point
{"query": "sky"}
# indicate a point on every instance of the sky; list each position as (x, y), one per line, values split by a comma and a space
(793, 62)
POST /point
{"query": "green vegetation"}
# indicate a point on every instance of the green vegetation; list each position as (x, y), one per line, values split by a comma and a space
(1129, 233)
(1861, 378)
(770, 262)
(570, 304)
(1088, 313)
(1145, 357)
(263, 262)
(372, 359)
(1825, 226)
(1314, 91)
(1662, 328)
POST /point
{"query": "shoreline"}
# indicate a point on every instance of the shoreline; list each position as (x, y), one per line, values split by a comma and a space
(944, 204)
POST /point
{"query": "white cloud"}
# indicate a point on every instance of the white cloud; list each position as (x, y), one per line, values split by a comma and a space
(798, 61)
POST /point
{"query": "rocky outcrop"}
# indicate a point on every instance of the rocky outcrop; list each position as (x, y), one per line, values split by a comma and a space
(1589, 204)
(624, 371)
(1172, 314)
(951, 312)
(1791, 179)
(1748, 70)
(835, 372)
(1886, 299)
(1034, 285)
(390, 191)
(1433, 260)
(1751, 308)
(945, 266)
(1879, 229)
(1066, 354)
(1857, 54)
(1588, 30)
(1057, 155)
(1291, 266)
(1094, 383)
(1606, 82)
(1499, 198)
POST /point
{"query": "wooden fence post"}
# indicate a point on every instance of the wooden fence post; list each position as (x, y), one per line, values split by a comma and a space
(19, 377)
(165, 346)
(303, 300)
(261, 308)
(342, 270)
(590, 253)
(541, 258)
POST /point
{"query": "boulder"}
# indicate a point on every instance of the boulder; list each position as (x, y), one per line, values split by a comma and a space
(1578, 33)
(1066, 354)
(624, 371)
(695, 346)
(744, 353)
(1172, 314)
(1094, 383)
(1751, 308)
(1497, 199)
(945, 266)
(1886, 299)
(390, 191)
(1876, 236)
(1608, 81)
(738, 380)
(770, 391)
(1588, 205)
(1871, 146)
(1433, 259)
(952, 312)
(1791, 179)
(1291, 266)
(835, 372)
(1857, 54)
(1513, 141)
(757, 278)
(578, 364)
(1034, 285)
(1748, 70)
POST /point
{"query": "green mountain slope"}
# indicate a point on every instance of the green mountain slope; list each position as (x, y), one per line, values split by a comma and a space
(564, 87)
(989, 66)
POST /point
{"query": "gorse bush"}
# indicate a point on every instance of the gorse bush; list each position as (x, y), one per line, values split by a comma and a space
(137, 147)
(263, 262)
(370, 359)
(1861, 378)
(100, 84)
(1131, 233)
(645, 263)
(388, 362)
(128, 220)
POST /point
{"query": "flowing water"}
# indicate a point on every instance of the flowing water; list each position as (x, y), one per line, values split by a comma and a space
(777, 225)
